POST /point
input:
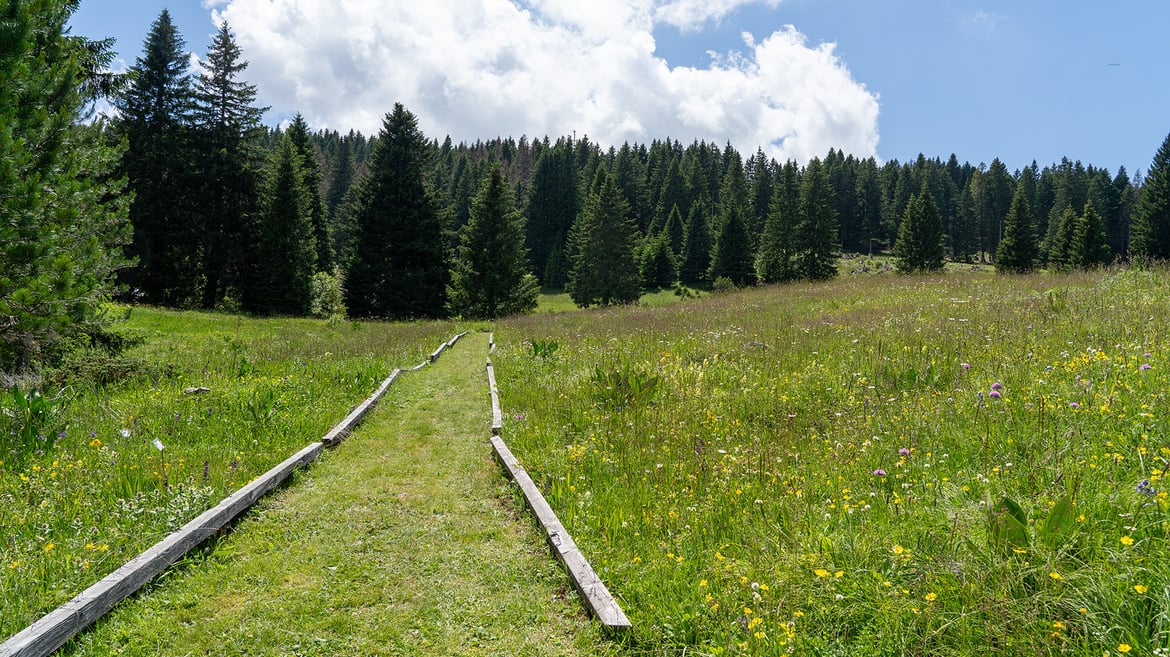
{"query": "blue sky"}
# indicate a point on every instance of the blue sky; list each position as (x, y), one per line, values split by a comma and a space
(983, 79)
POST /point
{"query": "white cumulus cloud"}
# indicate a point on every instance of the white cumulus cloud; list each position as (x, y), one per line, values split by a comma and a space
(477, 69)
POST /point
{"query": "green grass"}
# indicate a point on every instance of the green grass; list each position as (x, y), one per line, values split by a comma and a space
(822, 469)
(74, 511)
(405, 540)
(557, 301)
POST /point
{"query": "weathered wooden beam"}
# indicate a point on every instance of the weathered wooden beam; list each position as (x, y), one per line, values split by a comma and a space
(491, 343)
(590, 587)
(339, 432)
(497, 414)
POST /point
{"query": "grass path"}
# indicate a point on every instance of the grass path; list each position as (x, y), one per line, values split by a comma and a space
(405, 540)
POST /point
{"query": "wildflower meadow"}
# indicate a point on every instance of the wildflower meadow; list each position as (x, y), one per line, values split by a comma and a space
(890, 465)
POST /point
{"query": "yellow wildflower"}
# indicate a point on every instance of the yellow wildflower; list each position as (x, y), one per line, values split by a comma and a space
(821, 572)
(1140, 588)
(1127, 540)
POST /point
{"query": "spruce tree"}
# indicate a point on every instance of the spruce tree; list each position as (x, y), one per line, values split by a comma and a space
(227, 124)
(816, 234)
(1060, 244)
(298, 130)
(696, 250)
(1017, 250)
(62, 212)
(155, 116)
(552, 207)
(604, 268)
(674, 231)
(489, 274)
(400, 267)
(920, 237)
(659, 266)
(1089, 246)
(1150, 232)
(731, 256)
(286, 244)
(774, 259)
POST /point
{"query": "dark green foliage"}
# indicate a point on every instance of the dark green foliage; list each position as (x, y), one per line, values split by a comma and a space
(489, 275)
(993, 197)
(553, 204)
(775, 261)
(696, 251)
(604, 268)
(298, 131)
(674, 231)
(816, 234)
(228, 180)
(1151, 217)
(1088, 247)
(286, 245)
(658, 264)
(62, 212)
(731, 256)
(623, 387)
(920, 238)
(1060, 243)
(155, 116)
(1017, 252)
(399, 268)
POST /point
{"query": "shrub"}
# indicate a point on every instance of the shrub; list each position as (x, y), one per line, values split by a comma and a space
(328, 295)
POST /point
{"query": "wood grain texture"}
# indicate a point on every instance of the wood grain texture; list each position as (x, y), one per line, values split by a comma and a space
(497, 414)
(590, 587)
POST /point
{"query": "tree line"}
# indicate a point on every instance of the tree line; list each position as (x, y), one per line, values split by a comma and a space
(185, 199)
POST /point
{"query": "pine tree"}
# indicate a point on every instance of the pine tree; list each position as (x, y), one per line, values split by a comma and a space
(675, 232)
(1061, 240)
(604, 269)
(775, 258)
(731, 256)
(62, 214)
(489, 275)
(696, 250)
(920, 237)
(155, 116)
(400, 267)
(1089, 247)
(286, 244)
(298, 130)
(553, 205)
(1150, 232)
(1017, 250)
(816, 234)
(228, 170)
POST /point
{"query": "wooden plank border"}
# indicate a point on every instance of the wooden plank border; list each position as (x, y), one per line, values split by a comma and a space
(592, 590)
(54, 629)
(497, 414)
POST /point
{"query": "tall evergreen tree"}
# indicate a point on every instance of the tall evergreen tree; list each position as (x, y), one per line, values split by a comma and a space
(1151, 218)
(1089, 247)
(1017, 251)
(298, 131)
(816, 234)
(553, 204)
(228, 172)
(489, 274)
(286, 244)
(155, 116)
(658, 264)
(62, 214)
(696, 250)
(775, 258)
(1060, 243)
(399, 268)
(920, 237)
(604, 268)
(731, 257)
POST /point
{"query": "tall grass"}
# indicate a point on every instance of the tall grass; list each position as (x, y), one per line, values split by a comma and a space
(102, 491)
(965, 464)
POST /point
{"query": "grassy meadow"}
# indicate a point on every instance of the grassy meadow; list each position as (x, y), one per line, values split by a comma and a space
(952, 465)
(96, 491)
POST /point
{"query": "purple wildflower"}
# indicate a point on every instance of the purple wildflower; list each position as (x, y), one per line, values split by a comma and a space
(879, 472)
(1074, 405)
(965, 366)
(904, 451)
(994, 394)
(1146, 366)
(997, 386)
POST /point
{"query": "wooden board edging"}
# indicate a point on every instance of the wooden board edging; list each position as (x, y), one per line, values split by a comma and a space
(590, 587)
(497, 414)
(339, 432)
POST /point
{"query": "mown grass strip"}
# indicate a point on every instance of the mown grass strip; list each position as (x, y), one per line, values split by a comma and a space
(408, 542)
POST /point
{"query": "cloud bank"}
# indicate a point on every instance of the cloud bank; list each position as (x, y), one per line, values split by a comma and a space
(477, 69)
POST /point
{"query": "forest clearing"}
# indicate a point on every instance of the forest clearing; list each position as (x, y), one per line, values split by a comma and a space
(966, 463)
